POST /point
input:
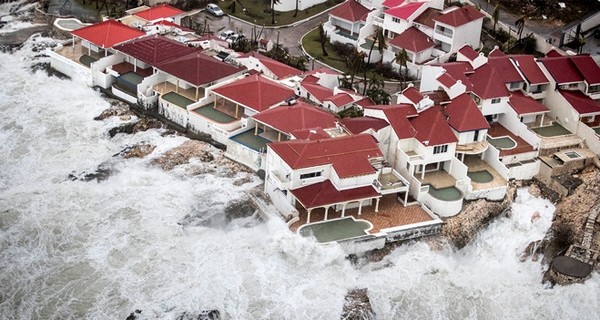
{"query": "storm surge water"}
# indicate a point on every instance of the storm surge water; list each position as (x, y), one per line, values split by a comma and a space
(100, 250)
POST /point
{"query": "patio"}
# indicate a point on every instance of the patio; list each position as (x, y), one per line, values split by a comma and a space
(553, 130)
(177, 99)
(475, 165)
(438, 179)
(497, 131)
(391, 214)
(213, 114)
(79, 54)
(125, 67)
(191, 93)
(252, 141)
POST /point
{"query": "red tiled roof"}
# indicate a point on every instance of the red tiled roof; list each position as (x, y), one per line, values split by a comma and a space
(340, 99)
(325, 193)
(159, 12)
(108, 33)
(553, 53)
(412, 94)
(349, 155)
(310, 134)
(198, 69)
(496, 52)
(464, 115)
(505, 68)
(468, 52)
(318, 91)
(309, 79)
(406, 11)
(523, 104)
(562, 69)
(580, 102)
(530, 69)
(486, 85)
(300, 116)
(413, 40)
(351, 11)
(322, 70)
(460, 16)
(427, 17)
(154, 49)
(459, 71)
(365, 102)
(446, 79)
(174, 25)
(588, 68)
(280, 70)
(255, 92)
(392, 3)
(397, 116)
(361, 124)
(432, 128)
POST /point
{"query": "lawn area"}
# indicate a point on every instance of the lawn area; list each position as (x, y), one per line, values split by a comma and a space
(258, 11)
(311, 44)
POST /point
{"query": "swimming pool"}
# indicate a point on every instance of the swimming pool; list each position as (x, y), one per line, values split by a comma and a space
(336, 229)
(502, 143)
(445, 194)
(482, 176)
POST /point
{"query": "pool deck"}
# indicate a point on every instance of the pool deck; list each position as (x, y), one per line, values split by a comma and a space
(438, 179)
(476, 164)
(497, 130)
(124, 67)
(165, 87)
(391, 214)
(75, 52)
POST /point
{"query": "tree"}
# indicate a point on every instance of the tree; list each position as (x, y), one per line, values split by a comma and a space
(401, 59)
(520, 24)
(322, 39)
(379, 39)
(355, 64)
(273, 3)
(496, 15)
(376, 92)
(296, 11)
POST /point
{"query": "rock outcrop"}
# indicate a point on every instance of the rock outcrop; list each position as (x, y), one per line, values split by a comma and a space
(461, 228)
(357, 306)
(117, 109)
(136, 151)
(182, 154)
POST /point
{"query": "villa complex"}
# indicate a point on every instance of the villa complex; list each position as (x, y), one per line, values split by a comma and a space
(471, 126)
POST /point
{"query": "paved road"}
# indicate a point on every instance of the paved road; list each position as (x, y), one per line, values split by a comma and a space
(289, 37)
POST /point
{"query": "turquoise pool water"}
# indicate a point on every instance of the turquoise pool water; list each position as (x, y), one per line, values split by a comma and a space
(445, 194)
(334, 230)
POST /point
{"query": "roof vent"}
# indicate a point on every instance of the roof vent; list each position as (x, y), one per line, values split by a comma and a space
(290, 101)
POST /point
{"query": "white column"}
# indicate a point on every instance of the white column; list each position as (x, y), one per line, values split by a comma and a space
(308, 215)
(344, 209)
(326, 211)
(405, 197)
(377, 204)
(360, 207)
(135, 65)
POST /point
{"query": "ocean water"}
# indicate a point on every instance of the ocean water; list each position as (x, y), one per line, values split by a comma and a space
(100, 250)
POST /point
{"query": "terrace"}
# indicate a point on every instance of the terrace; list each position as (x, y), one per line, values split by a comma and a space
(439, 179)
(77, 53)
(552, 130)
(192, 93)
(126, 67)
(504, 139)
(390, 215)
(251, 140)
(482, 175)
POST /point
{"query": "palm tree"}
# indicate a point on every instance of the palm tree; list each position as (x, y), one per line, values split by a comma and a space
(273, 3)
(322, 39)
(355, 63)
(379, 39)
(296, 11)
(496, 15)
(376, 91)
(520, 24)
(401, 59)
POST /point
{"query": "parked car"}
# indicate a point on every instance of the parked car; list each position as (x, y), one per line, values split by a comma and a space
(235, 38)
(214, 10)
(226, 34)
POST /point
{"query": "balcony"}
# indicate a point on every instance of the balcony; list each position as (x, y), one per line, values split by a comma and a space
(283, 182)
(390, 181)
(472, 148)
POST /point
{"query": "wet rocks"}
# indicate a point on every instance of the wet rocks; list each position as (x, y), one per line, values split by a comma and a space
(461, 228)
(134, 315)
(182, 154)
(357, 306)
(101, 173)
(239, 208)
(202, 315)
(132, 128)
(117, 109)
(136, 151)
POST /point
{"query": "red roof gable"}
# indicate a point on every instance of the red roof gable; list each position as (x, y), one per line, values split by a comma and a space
(553, 53)
(523, 104)
(460, 16)
(459, 71)
(361, 124)
(468, 52)
(154, 49)
(108, 33)
(280, 70)
(318, 91)
(351, 11)
(562, 69)
(255, 92)
(530, 69)
(486, 85)
(365, 102)
(446, 79)
(397, 116)
(349, 155)
(392, 3)
(300, 116)
(325, 193)
(588, 68)
(406, 11)
(432, 128)
(427, 17)
(160, 11)
(340, 99)
(412, 94)
(464, 115)
(496, 52)
(198, 69)
(580, 102)
(505, 68)
(413, 40)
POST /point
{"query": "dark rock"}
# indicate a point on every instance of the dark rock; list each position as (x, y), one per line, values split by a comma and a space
(261, 174)
(239, 208)
(202, 315)
(136, 151)
(357, 306)
(134, 315)
(101, 173)
(182, 154)
(117, 109)
(132, 128)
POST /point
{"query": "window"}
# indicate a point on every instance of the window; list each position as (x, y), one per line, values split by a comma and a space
(594, 89)
(396, 20)
(495, 100)
(440, 149)
(476, 136)
(515, 85)
(310, 175)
